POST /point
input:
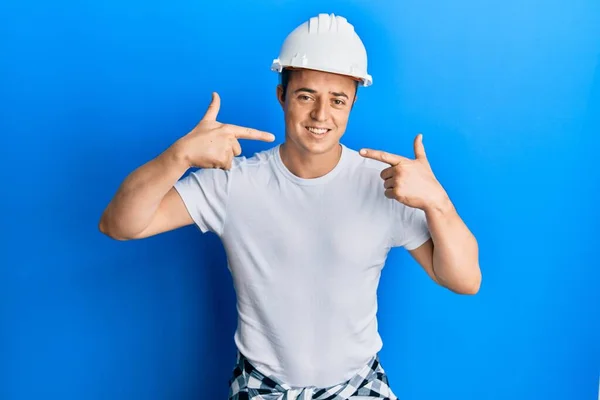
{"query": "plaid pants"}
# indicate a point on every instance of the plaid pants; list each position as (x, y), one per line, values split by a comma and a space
(247, 383)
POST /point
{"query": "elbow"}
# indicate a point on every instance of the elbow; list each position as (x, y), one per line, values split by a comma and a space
(467, 285)
(471, 289)
(105, 228)
(470, 286)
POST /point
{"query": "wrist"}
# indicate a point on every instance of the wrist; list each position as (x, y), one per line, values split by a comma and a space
(440, 205)
(176, 156)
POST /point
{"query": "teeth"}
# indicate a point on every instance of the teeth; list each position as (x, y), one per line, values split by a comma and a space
(317, 131)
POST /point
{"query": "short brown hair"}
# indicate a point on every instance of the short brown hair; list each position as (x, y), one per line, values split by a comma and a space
(285, 79)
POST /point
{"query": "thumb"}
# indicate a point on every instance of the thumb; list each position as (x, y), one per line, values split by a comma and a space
(419, 148)
(213, 108)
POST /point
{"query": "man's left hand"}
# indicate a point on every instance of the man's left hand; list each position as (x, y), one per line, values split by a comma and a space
(409, 181)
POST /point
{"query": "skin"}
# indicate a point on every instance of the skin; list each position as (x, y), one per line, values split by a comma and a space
(146, 203)
(316, 99)
(451, 256)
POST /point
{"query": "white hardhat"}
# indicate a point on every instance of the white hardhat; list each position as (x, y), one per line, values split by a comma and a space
(325, 43)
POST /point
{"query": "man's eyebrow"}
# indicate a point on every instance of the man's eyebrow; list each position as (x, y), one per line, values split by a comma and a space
(305, 90)
(337, 94)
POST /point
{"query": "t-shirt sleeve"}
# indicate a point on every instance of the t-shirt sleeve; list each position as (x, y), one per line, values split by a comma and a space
(205, 194)
(410, 228)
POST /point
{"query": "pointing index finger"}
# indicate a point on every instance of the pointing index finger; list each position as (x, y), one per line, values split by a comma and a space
(252, 134)
(388, 158)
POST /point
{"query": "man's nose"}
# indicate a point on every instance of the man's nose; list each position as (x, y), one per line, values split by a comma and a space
(320, 111)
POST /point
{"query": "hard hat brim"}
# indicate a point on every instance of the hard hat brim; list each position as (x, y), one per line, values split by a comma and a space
(364, 81)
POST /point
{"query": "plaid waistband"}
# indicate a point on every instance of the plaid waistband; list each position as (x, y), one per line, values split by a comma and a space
(248, 383)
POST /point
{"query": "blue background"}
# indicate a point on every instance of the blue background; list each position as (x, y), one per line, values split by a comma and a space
(507, 94)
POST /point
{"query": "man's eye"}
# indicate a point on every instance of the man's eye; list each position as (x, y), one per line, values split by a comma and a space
(338, 102)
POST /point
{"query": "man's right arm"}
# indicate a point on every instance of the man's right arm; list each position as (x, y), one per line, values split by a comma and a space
(146, 203)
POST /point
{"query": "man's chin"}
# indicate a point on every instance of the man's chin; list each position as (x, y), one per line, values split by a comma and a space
(321, 148)
(316, 147)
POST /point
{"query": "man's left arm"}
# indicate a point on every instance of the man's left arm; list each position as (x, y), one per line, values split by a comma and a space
(451, 256)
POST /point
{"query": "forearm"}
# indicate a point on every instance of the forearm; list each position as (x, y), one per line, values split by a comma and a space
(134, 205)
(455, 250)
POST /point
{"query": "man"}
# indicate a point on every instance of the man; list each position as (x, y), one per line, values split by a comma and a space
(306, 225)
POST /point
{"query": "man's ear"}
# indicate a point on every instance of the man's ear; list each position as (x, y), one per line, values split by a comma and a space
(280, 95)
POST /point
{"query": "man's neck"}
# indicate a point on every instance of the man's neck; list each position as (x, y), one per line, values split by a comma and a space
(306, 165)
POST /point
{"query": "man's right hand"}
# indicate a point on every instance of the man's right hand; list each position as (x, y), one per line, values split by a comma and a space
(212, 144)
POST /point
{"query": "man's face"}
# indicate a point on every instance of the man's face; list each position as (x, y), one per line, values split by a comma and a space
(316, 109)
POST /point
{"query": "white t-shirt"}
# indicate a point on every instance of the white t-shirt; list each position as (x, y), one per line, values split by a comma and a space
(305, 256)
